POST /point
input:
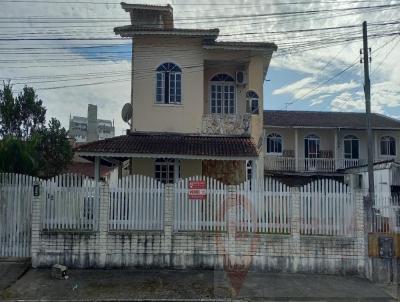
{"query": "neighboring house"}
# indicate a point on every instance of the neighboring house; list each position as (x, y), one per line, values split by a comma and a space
(325, 143)
(197, 102)
(87, 129)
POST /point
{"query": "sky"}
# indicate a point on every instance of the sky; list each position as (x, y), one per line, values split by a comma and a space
(312, 69)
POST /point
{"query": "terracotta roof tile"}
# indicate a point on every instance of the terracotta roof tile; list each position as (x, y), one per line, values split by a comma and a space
(174, 144)
(349, 120)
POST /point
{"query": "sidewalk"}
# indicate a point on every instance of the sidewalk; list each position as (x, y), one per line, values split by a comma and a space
(100, 285)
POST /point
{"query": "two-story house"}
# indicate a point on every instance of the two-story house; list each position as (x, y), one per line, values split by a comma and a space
(197, 102)
(305, 143)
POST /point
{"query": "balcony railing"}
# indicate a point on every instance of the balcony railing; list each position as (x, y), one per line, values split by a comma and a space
(226, 124)
(292, 164)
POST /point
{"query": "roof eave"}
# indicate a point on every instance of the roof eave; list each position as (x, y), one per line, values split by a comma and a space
(161, 155)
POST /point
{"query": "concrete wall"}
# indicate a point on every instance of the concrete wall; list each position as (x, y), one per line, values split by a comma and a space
(264, 252)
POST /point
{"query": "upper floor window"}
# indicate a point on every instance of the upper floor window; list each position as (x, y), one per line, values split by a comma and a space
(252, 102)
(351, 147)
(274, 143)
(222, 94)
(169, 77)
(388, 146)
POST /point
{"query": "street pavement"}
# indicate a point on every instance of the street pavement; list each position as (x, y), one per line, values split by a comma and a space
(184, 285)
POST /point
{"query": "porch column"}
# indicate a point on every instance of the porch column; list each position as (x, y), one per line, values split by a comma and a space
(336, 151)
(97, 168)
(296, 149)
(254, 171)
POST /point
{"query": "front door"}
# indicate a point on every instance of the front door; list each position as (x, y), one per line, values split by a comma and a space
(311, 152)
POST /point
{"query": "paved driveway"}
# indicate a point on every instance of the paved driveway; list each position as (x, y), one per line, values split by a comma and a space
(100, 285)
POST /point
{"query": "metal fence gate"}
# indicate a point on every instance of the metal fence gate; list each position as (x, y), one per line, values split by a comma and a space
(16, 193)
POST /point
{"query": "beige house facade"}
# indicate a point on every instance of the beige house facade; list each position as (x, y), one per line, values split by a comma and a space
(325, 143)
(199, 100)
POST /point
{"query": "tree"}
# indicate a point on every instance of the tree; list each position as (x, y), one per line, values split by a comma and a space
(54, 149)
(18, 156)
(20, 115)
(27, 145)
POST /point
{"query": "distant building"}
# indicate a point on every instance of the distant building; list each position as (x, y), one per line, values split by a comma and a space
(89, 129)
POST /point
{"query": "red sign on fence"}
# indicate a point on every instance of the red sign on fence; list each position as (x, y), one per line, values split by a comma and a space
(197, 189)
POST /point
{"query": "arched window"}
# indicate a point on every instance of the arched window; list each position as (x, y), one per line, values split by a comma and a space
(168, 89)
(312, 146)
(274, 143)
(351, 147)
(388, 146)
(222, 94)
(252, 102)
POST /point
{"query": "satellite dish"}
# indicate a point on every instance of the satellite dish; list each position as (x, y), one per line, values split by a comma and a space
(127, 112)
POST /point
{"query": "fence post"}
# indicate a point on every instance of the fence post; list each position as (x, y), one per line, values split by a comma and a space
(231, 211)
(168, 221)
(36, 223)
(295, 225)
(360, 229)
(104, 202)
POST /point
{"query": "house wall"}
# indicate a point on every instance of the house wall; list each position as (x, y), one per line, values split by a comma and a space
(327, 137)
(149, 53)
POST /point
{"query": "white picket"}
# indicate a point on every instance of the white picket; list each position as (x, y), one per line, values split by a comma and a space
(70, 203)
(16, 192)
(136, 203)
(200, 215)
(264, 206)
(327, 208)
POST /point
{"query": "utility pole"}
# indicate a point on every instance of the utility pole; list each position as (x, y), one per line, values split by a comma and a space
(367, 92)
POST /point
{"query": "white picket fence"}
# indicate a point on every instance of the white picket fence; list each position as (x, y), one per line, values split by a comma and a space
(16, 192)
(136, 203)
(385, 215)
(200, 215)
(71, 202)
(263, 206)
(327, 208)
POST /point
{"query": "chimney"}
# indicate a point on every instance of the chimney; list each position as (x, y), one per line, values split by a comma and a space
(92, 133)
(150, 16)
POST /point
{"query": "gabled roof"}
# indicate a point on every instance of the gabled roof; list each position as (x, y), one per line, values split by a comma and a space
(146, 144)
(132, 30)
(324, 119)
(240, 45)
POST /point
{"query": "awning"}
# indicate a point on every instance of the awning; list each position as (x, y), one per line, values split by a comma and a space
(171, 145)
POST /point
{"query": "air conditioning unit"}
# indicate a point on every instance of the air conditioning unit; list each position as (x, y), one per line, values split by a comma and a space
(241, 77)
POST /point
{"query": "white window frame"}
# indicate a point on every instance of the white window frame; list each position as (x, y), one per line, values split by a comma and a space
(250, 100)
(275, 135)
(171, 164)
(350, 138)
(387, 141)
(223, 85)
(172, 74)
(316, 138)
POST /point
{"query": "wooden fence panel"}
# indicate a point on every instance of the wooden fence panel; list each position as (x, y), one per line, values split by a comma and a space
(16, 193)
(200, 215)
(263, 206)
(326, 208)
(71, 202)
(136, 203)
